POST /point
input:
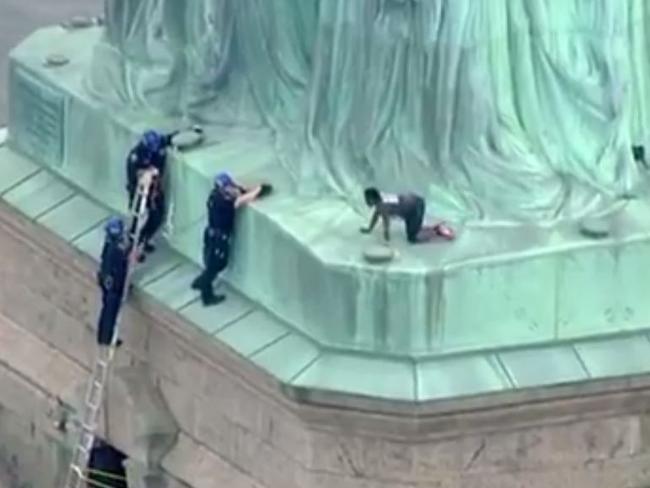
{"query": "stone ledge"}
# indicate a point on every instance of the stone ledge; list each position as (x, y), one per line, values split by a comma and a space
(252, 418)
(200, 468)
(258, 413)
(314, 374)
(314, 406)
(27, 435)
(400, 380)
(39, 364)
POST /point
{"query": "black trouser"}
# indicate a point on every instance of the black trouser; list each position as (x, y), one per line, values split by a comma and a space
(414, 219)
(154, 222)
(111, 304)
(216, 251)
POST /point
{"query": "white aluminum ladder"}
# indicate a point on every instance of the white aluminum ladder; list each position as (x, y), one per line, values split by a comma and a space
(104, 358)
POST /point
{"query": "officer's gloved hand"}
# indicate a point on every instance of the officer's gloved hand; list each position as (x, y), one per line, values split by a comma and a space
(266, 190)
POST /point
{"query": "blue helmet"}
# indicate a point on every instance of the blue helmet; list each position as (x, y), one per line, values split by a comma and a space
(114, 227)
(223, 179)
(152, 140)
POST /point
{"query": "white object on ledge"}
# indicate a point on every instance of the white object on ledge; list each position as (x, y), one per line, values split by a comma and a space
(379, 254)
(54, 60)
(79, 22)
(4, 133)
(595, 228)
(188, 139)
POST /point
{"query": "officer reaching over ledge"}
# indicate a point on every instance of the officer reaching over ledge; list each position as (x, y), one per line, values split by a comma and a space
(111, 277)
(225, 198)
(150, 152)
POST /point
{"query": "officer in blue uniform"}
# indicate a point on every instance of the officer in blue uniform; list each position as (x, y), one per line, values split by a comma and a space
(225, 198)
(150, 152)
(111, 277)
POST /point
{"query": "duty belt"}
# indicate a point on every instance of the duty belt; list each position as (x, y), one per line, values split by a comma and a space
(212, 232)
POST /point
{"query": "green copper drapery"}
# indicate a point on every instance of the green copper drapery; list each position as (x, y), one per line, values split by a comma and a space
(494, 109)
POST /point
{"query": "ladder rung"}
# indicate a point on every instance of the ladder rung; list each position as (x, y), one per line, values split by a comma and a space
(90, 413)
(100, 374)
(94, 406)
(96, 396)
(83, 450)
(79, 471)
(87, 443)
(89, 425)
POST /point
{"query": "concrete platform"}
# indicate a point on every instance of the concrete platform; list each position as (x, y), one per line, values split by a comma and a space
(301, 258)
(307, 309)
(234, 425)
(300, 363)
(257, 403)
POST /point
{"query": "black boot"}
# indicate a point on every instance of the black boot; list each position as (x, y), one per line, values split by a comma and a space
(209, 298)
(213, 300)
(197, 283)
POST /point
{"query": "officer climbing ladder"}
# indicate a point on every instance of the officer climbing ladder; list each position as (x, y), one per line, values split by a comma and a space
(94, 394)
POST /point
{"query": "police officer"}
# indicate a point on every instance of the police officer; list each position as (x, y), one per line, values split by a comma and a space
(149, 152)
(111, 277)
(225, 198)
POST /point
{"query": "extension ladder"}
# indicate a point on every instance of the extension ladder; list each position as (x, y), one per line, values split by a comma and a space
(104, 358)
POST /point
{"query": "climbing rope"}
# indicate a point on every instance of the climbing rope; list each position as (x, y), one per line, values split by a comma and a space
(103, 474)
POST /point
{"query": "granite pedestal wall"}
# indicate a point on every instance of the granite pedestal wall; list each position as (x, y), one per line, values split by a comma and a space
(224, 422)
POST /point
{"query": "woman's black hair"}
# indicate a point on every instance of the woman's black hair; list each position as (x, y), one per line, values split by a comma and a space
(372, 195)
